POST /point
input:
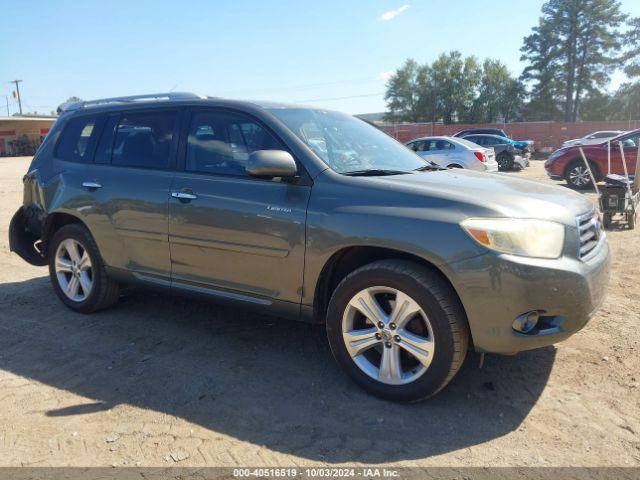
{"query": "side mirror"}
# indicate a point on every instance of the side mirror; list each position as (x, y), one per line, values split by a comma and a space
(271, 163)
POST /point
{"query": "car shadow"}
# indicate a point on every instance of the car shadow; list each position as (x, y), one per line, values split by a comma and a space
(262, 380)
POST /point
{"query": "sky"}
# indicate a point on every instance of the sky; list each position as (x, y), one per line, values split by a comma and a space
(331, 53)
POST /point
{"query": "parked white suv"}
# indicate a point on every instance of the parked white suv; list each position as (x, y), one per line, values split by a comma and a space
(455, 152)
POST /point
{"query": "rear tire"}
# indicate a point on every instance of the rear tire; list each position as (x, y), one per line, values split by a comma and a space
(431, 323)
(77, 271)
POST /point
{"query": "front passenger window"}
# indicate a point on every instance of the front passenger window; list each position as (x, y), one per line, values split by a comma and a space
(417, 146)
(221, 142)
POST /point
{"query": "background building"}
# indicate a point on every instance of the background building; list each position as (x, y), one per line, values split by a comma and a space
(22, 135)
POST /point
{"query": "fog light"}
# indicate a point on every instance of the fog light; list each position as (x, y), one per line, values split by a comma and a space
(526, 322)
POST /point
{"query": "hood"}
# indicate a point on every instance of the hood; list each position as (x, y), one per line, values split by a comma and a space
(494, 195)
(586, 141)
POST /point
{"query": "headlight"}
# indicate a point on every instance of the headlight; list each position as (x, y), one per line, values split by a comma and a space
(527, 238)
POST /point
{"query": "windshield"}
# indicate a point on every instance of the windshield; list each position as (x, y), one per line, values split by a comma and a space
(624, 136)
(347, 144)
(603, 134)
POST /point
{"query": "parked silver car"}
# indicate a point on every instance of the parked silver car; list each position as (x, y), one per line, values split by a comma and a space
(593, 138)
(455, 153)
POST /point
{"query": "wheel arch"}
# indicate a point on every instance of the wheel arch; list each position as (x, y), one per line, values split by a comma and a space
(595, 168)
(348, 259)
(56, 220)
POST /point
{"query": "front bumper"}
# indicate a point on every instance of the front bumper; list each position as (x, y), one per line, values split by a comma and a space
(497, 288)
(552, 175)
(521, 161)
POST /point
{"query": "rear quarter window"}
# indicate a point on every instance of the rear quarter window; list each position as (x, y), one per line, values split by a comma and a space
(78, 139)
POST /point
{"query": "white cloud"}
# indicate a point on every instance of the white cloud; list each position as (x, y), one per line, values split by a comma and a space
(391, 14)
(386, 75)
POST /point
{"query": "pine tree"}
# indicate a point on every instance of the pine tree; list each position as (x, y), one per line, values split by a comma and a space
(573, 50)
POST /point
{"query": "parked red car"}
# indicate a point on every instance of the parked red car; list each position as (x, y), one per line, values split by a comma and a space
(566, 163)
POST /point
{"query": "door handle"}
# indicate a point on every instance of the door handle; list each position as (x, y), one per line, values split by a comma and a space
(184, 195)
(91, 185)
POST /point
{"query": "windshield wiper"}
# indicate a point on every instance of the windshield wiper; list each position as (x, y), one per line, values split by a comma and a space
(374, 172)
(429, 167)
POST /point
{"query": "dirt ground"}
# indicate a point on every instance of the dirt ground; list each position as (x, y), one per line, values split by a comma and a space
(159, 381)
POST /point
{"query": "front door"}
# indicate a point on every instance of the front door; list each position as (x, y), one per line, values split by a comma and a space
(630, 154)
(229, 231)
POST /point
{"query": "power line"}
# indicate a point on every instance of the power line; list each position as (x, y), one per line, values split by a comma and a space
(339, 98)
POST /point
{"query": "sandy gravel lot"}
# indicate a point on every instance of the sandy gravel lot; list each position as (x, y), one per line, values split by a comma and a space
(160, 381)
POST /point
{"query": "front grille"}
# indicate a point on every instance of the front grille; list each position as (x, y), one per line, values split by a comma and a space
(589, 234)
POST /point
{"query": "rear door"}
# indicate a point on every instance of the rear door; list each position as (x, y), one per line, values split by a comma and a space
(443, 152)
(426, 149)
(437, 151)
(129, 181)
(229, 232)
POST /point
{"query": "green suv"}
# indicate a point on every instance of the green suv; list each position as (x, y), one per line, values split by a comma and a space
(313, 215)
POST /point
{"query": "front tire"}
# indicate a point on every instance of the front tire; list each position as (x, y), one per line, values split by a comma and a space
(77, 271)
(397, 329)
(577, 176)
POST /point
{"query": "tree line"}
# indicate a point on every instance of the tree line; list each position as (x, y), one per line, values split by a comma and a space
(569, 59)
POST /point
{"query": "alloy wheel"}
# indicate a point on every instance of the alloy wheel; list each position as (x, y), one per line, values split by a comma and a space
(74, 270)
(388, 335)
(579, 176)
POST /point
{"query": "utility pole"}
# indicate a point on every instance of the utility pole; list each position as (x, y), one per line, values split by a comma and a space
(18, 93)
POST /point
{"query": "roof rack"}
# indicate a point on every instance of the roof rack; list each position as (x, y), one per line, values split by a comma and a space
(69, 106)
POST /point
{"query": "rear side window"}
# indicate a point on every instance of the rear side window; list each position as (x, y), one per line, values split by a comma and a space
(220, 142)
(78, 139)
(144, 139)
(438, 145)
